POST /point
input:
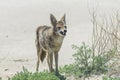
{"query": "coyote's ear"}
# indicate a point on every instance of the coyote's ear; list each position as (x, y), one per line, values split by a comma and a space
(53, 20)
(63, 18)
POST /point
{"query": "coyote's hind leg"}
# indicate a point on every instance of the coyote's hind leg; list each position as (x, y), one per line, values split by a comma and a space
(38, 59)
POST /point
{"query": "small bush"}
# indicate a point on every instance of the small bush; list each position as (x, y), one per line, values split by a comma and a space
(26, 75)
(83, 58)
(86, 63)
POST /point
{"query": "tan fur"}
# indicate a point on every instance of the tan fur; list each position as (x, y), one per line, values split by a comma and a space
(49, 41)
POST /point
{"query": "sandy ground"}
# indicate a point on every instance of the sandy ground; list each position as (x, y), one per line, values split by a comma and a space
(20, 18)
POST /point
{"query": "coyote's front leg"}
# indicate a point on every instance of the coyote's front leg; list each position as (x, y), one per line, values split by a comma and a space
(56, 62)
(50, 61)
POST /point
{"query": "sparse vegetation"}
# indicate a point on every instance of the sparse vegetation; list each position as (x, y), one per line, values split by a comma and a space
(86, 63)
(26, 75)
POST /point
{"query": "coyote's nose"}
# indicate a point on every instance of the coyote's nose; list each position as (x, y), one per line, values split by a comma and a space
(65, 31)
(61, 32)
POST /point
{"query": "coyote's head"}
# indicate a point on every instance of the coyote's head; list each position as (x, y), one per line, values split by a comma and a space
(59, 27)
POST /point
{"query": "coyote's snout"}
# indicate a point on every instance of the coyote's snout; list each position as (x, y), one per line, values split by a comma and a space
(49, 41)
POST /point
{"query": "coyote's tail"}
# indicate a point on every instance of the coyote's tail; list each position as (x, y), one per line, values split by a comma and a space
(42, 56)
(43, 53)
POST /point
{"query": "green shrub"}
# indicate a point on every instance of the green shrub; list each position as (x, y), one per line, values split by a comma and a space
(86, 63)
(26, 75)
(83, 57)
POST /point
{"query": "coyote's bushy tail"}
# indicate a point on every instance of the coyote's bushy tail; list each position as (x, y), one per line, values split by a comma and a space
(42, 56)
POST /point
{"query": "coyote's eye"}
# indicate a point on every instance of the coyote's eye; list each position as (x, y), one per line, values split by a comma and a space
(65, 26)
(59, 28)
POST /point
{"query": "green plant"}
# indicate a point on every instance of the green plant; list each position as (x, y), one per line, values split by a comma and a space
(26, 75)
(86, 63)
(70, 69)
(83, 57)
(0, 78)
(99, 64)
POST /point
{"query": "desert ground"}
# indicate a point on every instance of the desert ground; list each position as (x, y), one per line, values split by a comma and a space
(20, 18)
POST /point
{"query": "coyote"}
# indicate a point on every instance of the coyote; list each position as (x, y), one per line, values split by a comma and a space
(49, 41)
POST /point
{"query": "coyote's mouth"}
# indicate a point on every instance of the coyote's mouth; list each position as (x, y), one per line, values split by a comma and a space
(63, 33)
